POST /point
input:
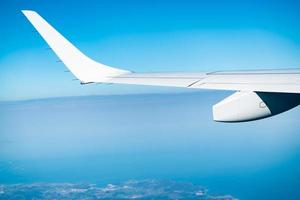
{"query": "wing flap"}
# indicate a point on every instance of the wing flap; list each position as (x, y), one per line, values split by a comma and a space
(159, 79)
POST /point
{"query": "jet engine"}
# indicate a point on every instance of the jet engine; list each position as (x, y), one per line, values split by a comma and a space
(247, 106)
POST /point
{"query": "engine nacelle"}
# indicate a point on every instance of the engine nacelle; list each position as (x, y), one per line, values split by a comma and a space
(247, 106)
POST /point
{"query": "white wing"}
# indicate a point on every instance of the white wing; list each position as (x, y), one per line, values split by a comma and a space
(286, 81)
(84, 68)
(255, 82)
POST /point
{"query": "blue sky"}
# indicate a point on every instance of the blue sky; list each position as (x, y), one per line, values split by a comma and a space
(144, 36)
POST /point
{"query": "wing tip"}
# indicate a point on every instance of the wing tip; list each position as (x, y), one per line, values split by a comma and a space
(28, 12)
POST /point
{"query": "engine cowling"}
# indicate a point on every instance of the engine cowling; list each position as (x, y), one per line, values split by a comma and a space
(247, 106)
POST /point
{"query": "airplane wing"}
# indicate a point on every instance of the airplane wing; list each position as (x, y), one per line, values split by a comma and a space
(284, 81)
(252, 84)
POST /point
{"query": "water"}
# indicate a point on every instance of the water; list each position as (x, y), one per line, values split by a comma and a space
(113, 139)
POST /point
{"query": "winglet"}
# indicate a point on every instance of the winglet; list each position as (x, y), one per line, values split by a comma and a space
(84, 68)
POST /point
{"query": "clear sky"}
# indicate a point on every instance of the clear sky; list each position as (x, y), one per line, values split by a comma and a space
(144, 36)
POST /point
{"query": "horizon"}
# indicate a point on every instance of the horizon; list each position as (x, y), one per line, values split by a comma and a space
(112, 139)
